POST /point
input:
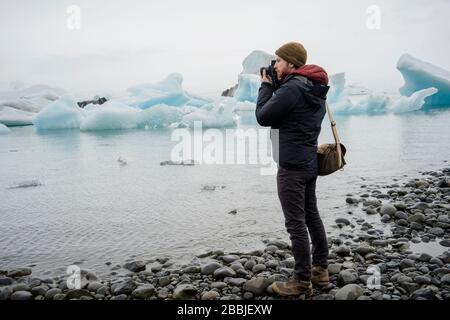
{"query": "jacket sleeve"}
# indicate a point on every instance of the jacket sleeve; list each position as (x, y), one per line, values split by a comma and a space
(271, 107)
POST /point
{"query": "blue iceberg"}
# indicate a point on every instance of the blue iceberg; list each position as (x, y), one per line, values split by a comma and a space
(344, 100)
(249, 79)
(60, 114)
(168, 91)
(248, 88)
(109, 116)
(420, 75)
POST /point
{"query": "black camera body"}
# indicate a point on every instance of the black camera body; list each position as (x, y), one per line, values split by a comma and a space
(270, 71)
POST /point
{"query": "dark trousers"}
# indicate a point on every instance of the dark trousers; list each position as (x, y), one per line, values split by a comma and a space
(297, 194)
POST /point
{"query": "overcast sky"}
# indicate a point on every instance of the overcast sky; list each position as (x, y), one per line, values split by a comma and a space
(125, 42)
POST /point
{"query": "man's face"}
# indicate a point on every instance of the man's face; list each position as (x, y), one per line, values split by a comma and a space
(281, 67)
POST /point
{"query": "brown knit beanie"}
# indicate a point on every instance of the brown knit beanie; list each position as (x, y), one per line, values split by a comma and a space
(293, 52)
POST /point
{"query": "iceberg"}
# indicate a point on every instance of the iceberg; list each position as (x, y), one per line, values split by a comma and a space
(245, 106)
(255, 60)
(219, 113)
(346, 100)
(15, 117)
(4, 129)
(110, 116)
(32, 99)
(169, 91)
(337, 87)
(420, 75)
(248, 88)
(249, 80)
(61, 114)
(415, 102)
(381, 103)
(159, 117)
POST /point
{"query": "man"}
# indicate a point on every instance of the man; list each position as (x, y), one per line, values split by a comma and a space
(296, 109)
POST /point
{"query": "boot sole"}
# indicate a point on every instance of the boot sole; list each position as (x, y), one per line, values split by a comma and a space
(307, 293)
(320, 284)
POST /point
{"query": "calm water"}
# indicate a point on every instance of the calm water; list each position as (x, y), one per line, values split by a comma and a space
(87, 208)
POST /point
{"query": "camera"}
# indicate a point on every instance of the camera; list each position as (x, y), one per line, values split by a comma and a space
(270, 71)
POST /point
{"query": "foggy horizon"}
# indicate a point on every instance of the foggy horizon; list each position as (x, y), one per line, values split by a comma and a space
(120, 44)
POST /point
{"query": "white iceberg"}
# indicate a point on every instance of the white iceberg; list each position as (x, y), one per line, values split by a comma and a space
(61, 114)
(31, 99)
(415, 102)
(15, 117)
(4, 129)
(420, 75)
(255, 60)
(219, 113)
(159, 116)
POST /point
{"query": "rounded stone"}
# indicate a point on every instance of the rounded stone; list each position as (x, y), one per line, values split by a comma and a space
(210, 295)
(21, 295)
(349, 292)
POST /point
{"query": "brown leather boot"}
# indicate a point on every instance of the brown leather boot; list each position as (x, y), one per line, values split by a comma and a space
(319, 276)
(292, 287)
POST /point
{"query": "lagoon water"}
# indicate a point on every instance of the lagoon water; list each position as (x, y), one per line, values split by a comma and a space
(65, 197)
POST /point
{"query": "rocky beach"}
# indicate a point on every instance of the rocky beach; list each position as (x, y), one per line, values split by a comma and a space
(366, 262)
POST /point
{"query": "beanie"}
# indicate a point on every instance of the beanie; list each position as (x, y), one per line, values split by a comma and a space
(293, 52)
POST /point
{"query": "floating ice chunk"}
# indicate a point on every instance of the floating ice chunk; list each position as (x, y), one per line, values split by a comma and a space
(248, 88)
(337, 87)
(61, 114)
(169, 91)
(420, 75)
(4, 129)
(159, 116)
(255, 60)
(14, 117)
(382, 103)
(111, 115)
(415, 102)
(214, 115)
(245, 106)
(32, 99)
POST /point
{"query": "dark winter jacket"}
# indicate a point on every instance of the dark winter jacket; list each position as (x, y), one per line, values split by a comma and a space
(296, 108)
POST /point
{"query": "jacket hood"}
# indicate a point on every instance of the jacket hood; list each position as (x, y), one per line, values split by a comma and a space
(313, 72)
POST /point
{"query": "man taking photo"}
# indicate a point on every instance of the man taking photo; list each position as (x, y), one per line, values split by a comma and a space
(295, 109)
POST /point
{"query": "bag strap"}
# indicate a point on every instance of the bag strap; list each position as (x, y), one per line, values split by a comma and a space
(335, 134)
(332, 122)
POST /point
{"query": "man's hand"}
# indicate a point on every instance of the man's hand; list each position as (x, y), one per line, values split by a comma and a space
(266, 78)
